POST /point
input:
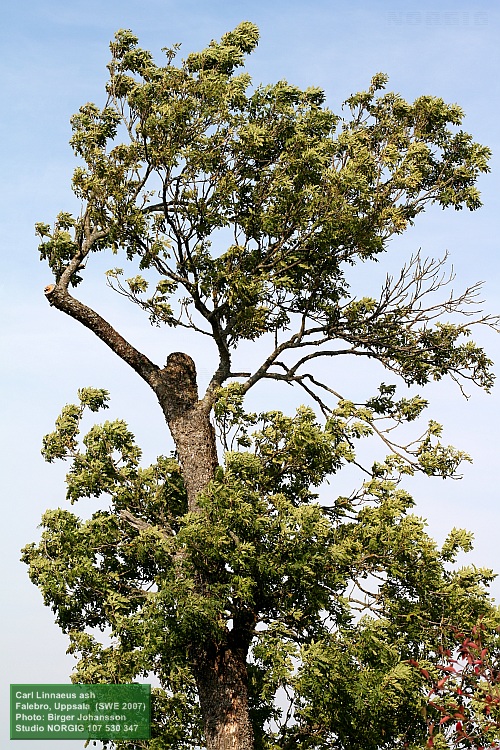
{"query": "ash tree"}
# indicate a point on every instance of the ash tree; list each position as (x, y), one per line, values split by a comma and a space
(270, 615)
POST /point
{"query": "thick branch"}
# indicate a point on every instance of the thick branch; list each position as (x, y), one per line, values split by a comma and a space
(60, 298)
(140, 525)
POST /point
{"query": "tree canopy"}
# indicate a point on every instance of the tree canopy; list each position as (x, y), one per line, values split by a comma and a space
(273, 613)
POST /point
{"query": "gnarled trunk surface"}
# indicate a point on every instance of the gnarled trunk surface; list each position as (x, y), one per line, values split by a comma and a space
(220, 669)
(221, 676)
(189, 423)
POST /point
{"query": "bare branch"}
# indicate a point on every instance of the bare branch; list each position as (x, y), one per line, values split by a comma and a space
(59, 297)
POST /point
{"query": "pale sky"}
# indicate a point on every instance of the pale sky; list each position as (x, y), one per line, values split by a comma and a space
(53, 60)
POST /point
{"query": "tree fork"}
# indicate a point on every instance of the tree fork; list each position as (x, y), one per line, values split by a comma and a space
(175, 387)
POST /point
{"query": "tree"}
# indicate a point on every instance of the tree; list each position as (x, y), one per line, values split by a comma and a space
(230, 581)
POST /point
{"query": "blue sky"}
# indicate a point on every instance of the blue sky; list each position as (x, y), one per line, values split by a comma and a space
(53, 57)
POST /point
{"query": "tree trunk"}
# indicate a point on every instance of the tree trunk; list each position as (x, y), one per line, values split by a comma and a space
(189, 422)
(220, 669)
(221, 676)
(194, 438)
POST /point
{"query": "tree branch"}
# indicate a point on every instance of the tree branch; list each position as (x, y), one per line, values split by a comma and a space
(140, 525)
(59, 297)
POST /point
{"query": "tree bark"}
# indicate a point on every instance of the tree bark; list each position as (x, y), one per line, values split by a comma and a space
(222, 680)
(189, 422)
(220, 669)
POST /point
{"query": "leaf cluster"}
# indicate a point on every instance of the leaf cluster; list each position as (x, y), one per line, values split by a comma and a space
(280, 571)
(246, 206)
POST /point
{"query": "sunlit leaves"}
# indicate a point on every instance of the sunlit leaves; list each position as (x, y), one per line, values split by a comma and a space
(93, 398)
(93, 128)
(243, 209)
(270, 555)
(58, 245)
(305, 190)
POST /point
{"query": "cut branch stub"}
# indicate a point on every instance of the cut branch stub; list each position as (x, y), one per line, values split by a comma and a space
(178, 389)
(189, 422)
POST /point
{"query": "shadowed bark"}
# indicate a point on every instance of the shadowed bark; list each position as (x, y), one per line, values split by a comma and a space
(222, 680)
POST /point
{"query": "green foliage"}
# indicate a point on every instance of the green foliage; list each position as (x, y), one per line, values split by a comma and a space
(179, 153)
(242, 210)
(270, 554)
(360, 696)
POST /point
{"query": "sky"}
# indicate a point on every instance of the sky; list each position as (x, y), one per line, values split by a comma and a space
(53, 58)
